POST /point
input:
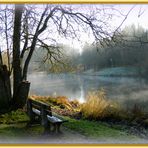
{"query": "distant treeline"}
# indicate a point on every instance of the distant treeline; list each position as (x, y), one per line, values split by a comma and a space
(127, 48)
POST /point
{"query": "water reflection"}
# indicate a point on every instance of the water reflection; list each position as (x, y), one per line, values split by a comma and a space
(121, 89)
(82, 97)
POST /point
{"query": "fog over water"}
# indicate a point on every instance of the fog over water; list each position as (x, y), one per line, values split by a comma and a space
(125, 90)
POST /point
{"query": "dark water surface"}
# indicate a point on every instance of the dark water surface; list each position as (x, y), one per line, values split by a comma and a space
(126, 90)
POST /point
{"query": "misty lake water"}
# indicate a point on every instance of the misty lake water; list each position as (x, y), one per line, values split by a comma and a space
(125, 90)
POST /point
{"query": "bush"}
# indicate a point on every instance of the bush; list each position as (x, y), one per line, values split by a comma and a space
(97, 105)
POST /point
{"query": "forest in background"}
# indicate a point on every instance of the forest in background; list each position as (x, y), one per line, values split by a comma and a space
(129, 48)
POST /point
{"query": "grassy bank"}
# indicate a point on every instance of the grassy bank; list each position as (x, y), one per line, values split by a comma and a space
(99, 109)
(99, 130)
(97, 119)
(17, 128)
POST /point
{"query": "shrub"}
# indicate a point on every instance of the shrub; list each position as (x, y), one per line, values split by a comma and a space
(98, 106)
(95, 105)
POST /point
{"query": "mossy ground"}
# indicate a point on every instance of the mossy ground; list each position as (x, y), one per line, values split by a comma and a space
(14, 128)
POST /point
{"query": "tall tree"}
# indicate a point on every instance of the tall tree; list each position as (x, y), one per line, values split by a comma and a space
(16, 51)
(39, 26)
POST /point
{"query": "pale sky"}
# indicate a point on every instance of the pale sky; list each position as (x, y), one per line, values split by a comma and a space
(138, 16)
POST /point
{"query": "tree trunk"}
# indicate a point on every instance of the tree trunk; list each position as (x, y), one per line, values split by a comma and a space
(22, 95)
(20, 88)
(5, 89)
(16, 49)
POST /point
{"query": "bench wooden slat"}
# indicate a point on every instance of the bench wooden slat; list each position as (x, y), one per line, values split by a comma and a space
(38, 105)
(37, 108)
(36, 111)
(37, 102)
(52, 119)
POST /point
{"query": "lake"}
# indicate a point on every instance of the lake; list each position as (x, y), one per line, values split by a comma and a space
(125, 90)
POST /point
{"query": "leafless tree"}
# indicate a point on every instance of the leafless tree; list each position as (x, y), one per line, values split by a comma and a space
(39, 26)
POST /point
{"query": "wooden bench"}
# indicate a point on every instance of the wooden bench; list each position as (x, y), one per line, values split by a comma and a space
(44, 114)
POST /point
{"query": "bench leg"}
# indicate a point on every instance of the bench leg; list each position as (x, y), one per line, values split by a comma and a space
(44, 120)
(47, 129)
(32, 120)
(54, 128)
(58, 128)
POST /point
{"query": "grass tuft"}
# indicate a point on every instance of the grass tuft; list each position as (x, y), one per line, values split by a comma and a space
(97, 106)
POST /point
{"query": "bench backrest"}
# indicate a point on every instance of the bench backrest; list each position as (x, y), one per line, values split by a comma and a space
(39, 105)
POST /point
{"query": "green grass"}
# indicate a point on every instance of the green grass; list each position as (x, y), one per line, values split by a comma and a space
(14, 117)
(19, 132)
(98, 130)
(91, 129)
(14, 126)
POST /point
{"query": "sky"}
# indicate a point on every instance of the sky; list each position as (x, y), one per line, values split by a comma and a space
(138, 16)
